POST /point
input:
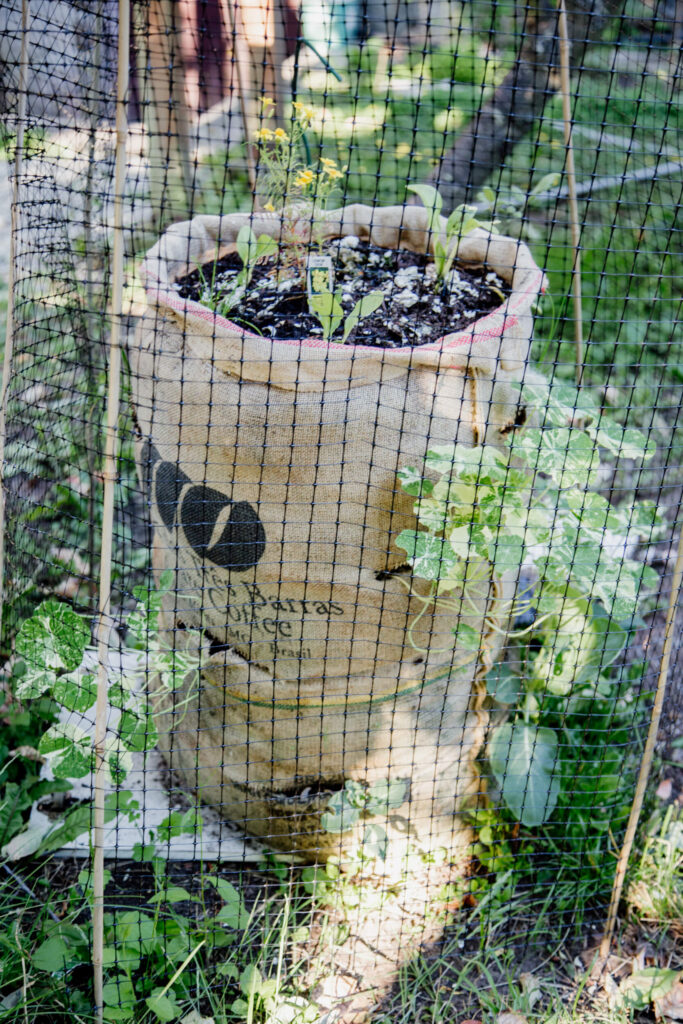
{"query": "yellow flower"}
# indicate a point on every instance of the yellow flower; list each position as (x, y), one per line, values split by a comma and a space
(326, 162)
(304, 113)
(332, 173)
(304, 178)
(269, 207)
(281, 134)
(263, 134)
(266, 102)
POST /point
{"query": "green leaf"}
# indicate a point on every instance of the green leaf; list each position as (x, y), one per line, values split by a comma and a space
(504, 685)
(174, 894)
(468, 638)
(412, 482)
(432, 202)
(55, 637)
(375, 841)
(69, 749)
(386, 795)
(233, 913)
(523, 759)
(343, 821)
(431, 558)
(327, 308)
(565, 454)
(137, 730)
(119, 992)
(251, 980)
(76, 691)
(54, 955)
(165, 1006)
(506, 552)
(646, 986)
(365, 307)
(626, 443)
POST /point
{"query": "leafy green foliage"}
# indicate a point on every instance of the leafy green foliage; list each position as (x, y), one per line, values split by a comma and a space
(358, 801)
(327, 307)
(485, 515)
(251, 251)
(460, 222)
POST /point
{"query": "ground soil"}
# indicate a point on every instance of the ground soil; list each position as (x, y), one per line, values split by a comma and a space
(416, 310)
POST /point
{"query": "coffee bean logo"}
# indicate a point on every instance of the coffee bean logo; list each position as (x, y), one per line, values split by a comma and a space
(226, 532)
(229, 533)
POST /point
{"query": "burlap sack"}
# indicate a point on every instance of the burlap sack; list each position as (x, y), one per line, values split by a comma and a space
(271, 468)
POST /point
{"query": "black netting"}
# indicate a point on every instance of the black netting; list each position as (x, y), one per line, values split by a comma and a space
(391, 597)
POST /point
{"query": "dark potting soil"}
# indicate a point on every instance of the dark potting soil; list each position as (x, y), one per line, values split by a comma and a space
(414, 312)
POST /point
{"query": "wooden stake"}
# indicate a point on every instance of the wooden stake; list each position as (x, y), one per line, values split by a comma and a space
(14, 229)
(648, 753)
(109, 475)
(565, 90)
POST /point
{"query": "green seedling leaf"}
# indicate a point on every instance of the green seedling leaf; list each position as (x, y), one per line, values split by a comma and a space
(523, 759)
(375, 841)
(412, 482)
(432, 201)
(342, 821)
(233, 913)
(327, 308)
(365, 307)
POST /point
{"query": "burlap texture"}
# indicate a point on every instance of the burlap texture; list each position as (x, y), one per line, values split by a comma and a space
(271, 468)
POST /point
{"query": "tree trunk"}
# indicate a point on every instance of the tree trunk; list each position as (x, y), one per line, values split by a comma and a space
(519, 100)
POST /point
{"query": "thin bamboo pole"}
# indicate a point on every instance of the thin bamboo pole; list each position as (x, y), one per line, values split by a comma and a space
(14, 230)
(570, 168)
(109, 476)
(648, 753)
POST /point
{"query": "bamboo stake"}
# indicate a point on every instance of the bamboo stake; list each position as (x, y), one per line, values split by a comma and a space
(648, 753)
(109, 476)
(14, 230)
(232, 20)
(565, 90)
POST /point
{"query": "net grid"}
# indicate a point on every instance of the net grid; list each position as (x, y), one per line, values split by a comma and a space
(337, 618)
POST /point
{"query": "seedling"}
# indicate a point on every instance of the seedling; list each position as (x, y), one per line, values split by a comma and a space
(460, 222)
(251, 251)
(326, 306)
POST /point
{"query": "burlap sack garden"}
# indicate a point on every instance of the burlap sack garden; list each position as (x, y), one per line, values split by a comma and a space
(270, 468)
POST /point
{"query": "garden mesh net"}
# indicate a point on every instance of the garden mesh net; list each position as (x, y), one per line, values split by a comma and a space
(388, 590)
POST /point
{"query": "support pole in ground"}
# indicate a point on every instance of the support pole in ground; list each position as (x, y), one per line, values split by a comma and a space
(648, 753)
(570, 170)
(14, 229)
(109, 476)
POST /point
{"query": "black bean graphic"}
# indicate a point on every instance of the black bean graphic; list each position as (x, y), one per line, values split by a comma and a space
(243, 539)
(169, 483)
